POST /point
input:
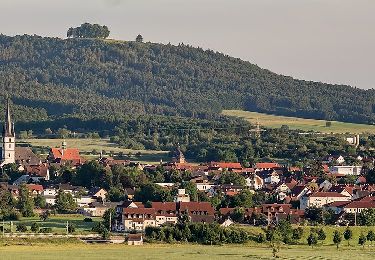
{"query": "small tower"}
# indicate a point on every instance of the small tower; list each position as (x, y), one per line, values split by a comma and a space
(178, 156)
(9, 139)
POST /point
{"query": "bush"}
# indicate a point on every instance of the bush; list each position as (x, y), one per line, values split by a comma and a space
(321, 234)
(71, 228)
(261, 238)
(87, 220)
(297, 233)
(35, 227)
(21, 227)
(45, 230)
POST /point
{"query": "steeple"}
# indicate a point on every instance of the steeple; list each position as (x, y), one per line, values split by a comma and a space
(8, 130)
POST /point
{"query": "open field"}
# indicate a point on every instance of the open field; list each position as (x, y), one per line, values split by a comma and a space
(273, 121)
(87, 146)
(58, 223)
(177, 251)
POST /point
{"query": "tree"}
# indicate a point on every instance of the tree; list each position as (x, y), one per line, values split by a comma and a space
(348, 234)
(21, 227)
(297, 233)
(321, 234)
(261, 238)
(87, 30)
(367, 217)
(362, 240)
(108, 217)
(139, 38)
(65, 202)
(71, 227)
(40, 201)
(337, 238)
(25, 202)
(370, 236)
(44, 215)
(35, 227)
(312, 239)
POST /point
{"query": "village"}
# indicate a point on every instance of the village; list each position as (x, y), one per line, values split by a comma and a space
(333, 192)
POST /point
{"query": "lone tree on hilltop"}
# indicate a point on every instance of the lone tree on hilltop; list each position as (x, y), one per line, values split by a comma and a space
(139, 38)
(87, 30)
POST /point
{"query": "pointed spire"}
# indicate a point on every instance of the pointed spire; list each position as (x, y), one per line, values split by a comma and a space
(8, 124)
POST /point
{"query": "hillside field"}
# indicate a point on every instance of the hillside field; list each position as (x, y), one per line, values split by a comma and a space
(273, 121)
(177, 251)
(87, 146)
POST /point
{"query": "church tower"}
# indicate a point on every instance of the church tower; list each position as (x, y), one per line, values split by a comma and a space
(9, 139)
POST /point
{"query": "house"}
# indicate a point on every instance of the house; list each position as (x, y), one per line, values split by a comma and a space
(24, 157)
(319, 199)
(65, 156)
(266, 166)
(165, 212)
(253, 181)
(27, 179)
(35, 189)
(98, 193)
(221, 166)
(182, 196)
(135, 239)
(137, 219)
(346, 170)
(97, 209)
(198, 211)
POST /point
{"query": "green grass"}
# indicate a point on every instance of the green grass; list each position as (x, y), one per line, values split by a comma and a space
(177, 251)
(273, 121)
(86, 146)
(58, 223)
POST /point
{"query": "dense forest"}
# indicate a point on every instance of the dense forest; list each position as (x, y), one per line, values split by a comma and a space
(53, 79)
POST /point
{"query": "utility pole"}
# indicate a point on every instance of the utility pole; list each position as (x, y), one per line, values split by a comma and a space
(3, 227)
(110, 220)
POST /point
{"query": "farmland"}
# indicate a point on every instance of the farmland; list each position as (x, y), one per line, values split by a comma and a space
(273, 121)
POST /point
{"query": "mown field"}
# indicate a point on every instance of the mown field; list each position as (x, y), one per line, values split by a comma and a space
(57, 223)
(177, 251)
(90, 148)
(273, 121)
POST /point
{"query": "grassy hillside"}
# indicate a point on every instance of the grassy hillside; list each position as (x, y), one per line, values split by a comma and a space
(274, 121)
(52, 78)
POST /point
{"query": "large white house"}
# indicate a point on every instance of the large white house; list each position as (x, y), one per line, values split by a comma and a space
(346, 170)
(319, 199)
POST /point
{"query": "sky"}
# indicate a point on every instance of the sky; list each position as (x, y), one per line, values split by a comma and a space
(330, 41)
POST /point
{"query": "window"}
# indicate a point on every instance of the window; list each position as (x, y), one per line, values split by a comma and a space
(9, 155)
(10, 145)
(10, 139)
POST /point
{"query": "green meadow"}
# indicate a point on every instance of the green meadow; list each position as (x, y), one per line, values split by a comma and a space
(273, 121)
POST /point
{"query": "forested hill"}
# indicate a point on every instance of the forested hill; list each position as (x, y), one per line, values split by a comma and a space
(88, 78)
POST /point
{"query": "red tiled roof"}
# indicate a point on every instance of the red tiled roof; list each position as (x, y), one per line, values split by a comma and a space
(197, 206)
(266, 165)
(228, 165)
(34, 187)
(68, 154)
(164, 206)
(338, 203)
(360, 205)
(328, 194)
(138, 211)
(39, 170)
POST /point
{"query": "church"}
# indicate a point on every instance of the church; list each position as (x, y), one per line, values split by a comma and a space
(8, 145)
(22, 156)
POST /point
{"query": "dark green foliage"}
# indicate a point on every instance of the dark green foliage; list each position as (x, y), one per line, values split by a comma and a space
(35, 227)
(348, 234)
(297, 233)
(197, 232)
(21, 227)
(312, 239)
(152, 192)
(50, 77)
(261, 238)
(337, 238)
(25, 202)
(321, 234)
(362, 240)
(87, 220)
(88, 30)
(65, 202)
(367, 217)
(45, 230)
(71, 227)
(40, 201)
(370, 236)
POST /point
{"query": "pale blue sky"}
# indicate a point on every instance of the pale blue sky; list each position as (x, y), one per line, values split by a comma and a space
(322, 40)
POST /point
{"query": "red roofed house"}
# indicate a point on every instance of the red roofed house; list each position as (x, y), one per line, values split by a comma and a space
(65, 155)
(137, 218)
(266, 166)
(198, 211)
(358, 206)
(319, 199)
(35, 189)
(225, 165)
(165, 212)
